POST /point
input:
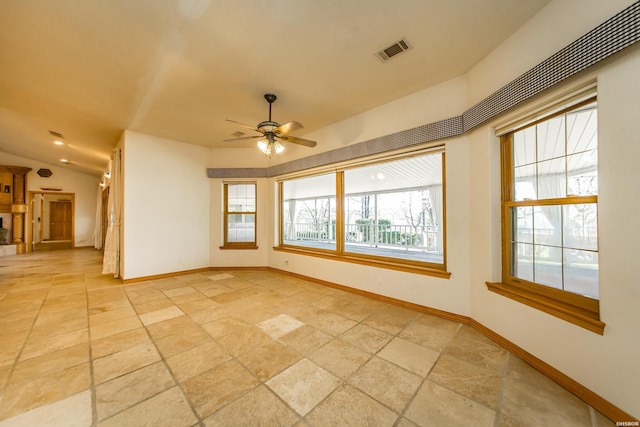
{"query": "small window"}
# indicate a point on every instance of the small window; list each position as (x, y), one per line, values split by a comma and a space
(239, 215)
(550, 214)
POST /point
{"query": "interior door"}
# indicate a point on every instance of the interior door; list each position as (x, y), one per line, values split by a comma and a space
(60, 220)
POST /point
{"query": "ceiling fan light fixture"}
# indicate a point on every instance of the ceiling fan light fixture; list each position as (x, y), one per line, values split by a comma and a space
(270, 147)
(263, 145)
(279, 147)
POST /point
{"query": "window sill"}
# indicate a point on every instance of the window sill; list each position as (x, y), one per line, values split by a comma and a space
(238, 247)
(379, 263)
(588, 318)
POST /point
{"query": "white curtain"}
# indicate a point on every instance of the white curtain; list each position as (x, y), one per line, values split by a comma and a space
(111, 260)
(435, 194)
(97, 232)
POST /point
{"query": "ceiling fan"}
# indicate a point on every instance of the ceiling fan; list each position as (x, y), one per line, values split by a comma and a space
(271, 132)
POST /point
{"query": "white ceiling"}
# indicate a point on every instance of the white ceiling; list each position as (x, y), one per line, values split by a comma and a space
(179, 68)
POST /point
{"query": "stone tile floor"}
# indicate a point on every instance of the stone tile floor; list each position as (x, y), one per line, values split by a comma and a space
(246, 348)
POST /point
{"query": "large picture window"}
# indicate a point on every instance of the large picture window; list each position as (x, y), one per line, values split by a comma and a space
(239, 215)
(388, 213)
(550, 213)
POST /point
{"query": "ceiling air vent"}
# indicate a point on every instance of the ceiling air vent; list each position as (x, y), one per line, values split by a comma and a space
(56, 134)
(392, 50)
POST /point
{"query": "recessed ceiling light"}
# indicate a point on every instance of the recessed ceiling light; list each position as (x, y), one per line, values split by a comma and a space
(58, 142)
(64, 160)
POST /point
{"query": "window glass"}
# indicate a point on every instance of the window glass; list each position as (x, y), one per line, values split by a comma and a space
(387, 212)
(553, 212)
(240, 214)
(309, 212)
(394, 209)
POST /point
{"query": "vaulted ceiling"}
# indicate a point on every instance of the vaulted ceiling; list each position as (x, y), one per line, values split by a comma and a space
(178, 68)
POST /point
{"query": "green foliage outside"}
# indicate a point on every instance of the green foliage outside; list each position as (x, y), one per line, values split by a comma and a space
(385, 235)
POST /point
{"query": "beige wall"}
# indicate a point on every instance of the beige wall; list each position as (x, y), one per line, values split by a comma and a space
(166, 206)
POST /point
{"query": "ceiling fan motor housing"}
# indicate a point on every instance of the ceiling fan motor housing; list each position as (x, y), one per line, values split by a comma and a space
(267, 126)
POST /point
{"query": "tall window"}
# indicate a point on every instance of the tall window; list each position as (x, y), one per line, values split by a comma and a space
(388, 213)
(550, 210)
(240, 215)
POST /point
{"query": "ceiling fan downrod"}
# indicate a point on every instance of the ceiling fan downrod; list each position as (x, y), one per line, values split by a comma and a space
(270, 99)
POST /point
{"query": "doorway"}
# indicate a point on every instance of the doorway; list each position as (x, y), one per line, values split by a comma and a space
(60, 220)
(52, 219)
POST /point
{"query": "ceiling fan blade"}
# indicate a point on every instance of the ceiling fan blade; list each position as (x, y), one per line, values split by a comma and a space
(300, 141)
(243, 125)
(287, 127)
(243, 138)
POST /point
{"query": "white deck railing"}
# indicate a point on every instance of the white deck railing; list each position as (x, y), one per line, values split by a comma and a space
(373, 235)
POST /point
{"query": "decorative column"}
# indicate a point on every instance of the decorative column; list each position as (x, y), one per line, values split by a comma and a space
(19, 207)
(18, 212)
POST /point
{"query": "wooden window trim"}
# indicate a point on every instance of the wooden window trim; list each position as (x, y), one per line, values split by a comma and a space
(576, 309)
(387, 263)
(238, 245)
(339, 254)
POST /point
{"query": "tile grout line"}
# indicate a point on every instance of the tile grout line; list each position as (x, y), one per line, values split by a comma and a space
(424, 380)
(503, 379)
(232, 358)
(304, 356)
(201, 419)
(24, 343)
(200, 422)
(92, 384)
(345, 381)
(261, 383)
(592, 414)
(143, 367)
